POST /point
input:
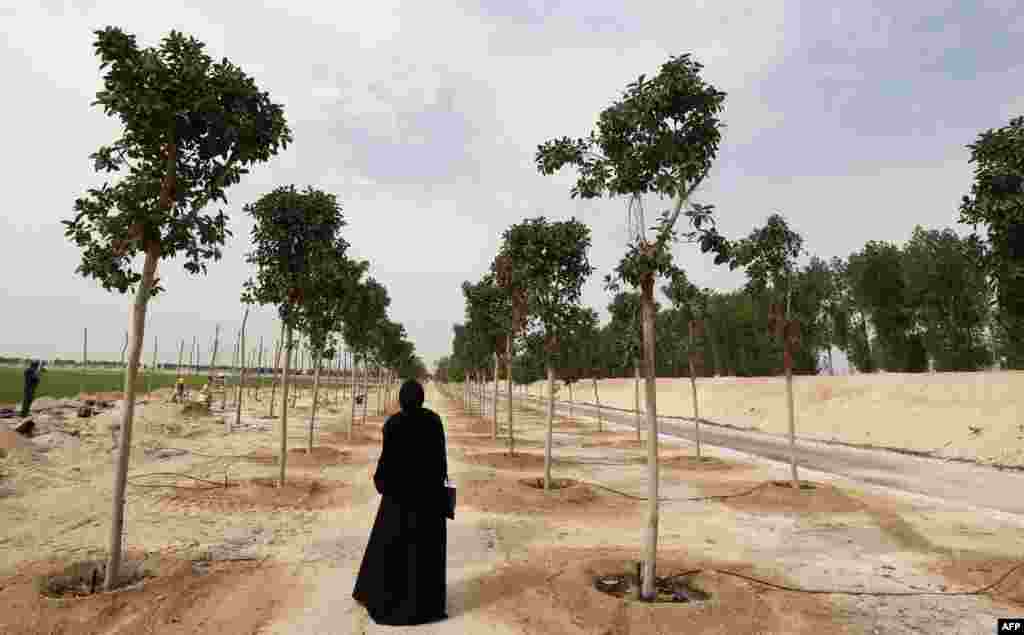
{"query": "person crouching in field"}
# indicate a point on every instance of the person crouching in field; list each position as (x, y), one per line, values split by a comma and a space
(402, 578)
(32, 378)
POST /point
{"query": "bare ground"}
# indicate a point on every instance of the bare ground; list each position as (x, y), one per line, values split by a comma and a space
(251, 558)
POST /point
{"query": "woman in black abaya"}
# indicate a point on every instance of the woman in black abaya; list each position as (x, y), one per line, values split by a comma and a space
(402, 579)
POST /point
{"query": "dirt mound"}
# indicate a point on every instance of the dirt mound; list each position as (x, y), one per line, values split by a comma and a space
(703, 464)
(779, 496)
(553, 591)
(228, 597)
(506, 461)
(506, 494)
(974, 573)
(11, 440)
(298, 457)
(299, 492)
(359, 438)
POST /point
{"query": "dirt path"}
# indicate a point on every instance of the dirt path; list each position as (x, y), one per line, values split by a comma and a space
(962, 483)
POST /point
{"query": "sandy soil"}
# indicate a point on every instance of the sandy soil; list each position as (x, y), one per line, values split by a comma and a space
(252, 558)
(924, 412)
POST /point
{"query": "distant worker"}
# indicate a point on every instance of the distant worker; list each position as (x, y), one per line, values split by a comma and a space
(179, 390)
(31, 382)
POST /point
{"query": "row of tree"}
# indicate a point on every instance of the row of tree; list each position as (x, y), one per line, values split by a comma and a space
(924, 305)
(940, 300)
(192, 128)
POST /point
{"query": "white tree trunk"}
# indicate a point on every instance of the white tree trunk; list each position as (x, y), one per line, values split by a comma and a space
(273, 371)
(138, 328)
(316, 393)
(495, 434)
(597, 399)
(511, 435)
(551, 423)
(241, 372)
(352, 419)
(636, 397)
(284, 405)
(647, 590)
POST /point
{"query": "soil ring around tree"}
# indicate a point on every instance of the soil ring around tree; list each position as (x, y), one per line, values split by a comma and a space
(322, 456)
(505, 493)
(239, 596)
(779, 497)
(705, 463)
(558, 590)
(300, 492)
(978, 570)
(359, 438)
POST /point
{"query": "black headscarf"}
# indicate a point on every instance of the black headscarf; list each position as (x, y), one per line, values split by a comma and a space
(411, 396)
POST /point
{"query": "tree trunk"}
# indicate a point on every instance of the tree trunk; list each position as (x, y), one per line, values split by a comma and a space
(284, 405)
(366, 391)
(597, 399)
(192, 361)
(138, 326)
(181, 356)
(259, 371)
(693, 387)
(273, 371)
(792, 422)
(831, 367)
(352, 419)
(495, 433)
(570, 401)
(234, 363)
(213, 356)
(511, 435)
(124, 348)
(551, 423)
(647, 589)
(636, 397)
(316, 393)
(241, 372)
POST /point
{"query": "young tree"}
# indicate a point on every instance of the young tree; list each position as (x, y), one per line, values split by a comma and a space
(686, 297)
(364, 315)
(626, 324)
(660, 138)
(191, 126)
(551, 258)
(769, 256)
(487, 308)
(293, 232)
(333, 283)
(996, 202)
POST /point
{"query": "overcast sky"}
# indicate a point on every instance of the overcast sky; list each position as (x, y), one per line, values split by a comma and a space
(423, 118)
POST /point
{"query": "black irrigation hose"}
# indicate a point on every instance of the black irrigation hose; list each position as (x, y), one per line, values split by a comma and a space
(782, 587)
(214, 484)
(746, 492)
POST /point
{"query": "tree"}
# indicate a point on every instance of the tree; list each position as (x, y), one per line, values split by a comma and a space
(333, 282)
(660, 138)
(294, 233)
(626, 323)
(191, 128)
(488, 309)
(996, 202)
(364, 315)
(950, 295)
(686, 299)
(878, 286)
(551, 260)
(769, 256)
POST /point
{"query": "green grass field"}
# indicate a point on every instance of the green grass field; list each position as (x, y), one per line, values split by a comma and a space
(61, 382)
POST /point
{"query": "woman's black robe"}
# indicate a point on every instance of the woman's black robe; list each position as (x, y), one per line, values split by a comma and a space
(402, 579)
